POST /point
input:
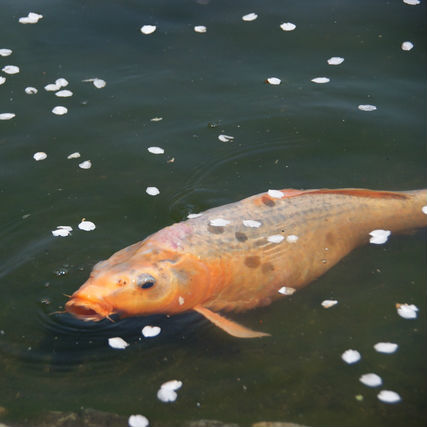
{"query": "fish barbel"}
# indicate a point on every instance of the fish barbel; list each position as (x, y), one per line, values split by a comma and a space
(237, 256)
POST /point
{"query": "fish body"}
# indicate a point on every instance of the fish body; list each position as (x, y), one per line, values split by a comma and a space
(237, 256)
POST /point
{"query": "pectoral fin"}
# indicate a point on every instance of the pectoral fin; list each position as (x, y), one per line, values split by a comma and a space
(228, 325)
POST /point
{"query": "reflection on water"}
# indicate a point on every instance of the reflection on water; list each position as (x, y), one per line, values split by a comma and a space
(297, 134)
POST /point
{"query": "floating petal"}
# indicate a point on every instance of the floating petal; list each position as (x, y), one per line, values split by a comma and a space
(99, 83)
(371, 380)
(350, 356)
(118, 343)
(274, 81)
(148, 29)
(7, 116)
(251, 223)
(367, 107)
(155, 150)
(194, 215)
(30, 90)
(412, 2)
(219, 222)
(407, 311)
(424, 209)
(138, 421)
(276, 194)
(75, 155)
(87, 225)
(335, 60)
(327, 303)
(291, 238)
(151, 331)
(225, 138)
(389, 396)
(288, 26)
(5, 52)
(321, 80)
(407, 45)
(10, 69)
(386, 347)
(286, 290)
(378, 237)
(52, 87)
(152, 191)
(59, 110)
(200, 29)
(275, 238)
(2, 80)
(62, 232)
(87, 164)
(250, 17)
(64, 93)
(40, 155)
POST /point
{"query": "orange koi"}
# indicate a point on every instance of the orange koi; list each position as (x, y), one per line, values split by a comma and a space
(237, 256)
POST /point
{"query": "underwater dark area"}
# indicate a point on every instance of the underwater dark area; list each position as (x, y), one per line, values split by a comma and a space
(169, 108)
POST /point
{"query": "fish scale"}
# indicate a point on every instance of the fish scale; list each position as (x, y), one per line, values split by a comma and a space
(200, 265)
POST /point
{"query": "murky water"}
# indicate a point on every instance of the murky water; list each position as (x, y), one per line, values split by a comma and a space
(297, 134)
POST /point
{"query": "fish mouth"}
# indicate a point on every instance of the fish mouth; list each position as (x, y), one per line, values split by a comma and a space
(87, 310)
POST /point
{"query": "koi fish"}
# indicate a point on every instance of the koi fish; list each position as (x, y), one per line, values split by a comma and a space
(237, 256)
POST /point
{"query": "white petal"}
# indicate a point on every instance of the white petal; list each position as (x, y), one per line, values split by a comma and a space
(138, 421)
(379, 236)
(388, 396)
(371, 380)
(286, 290)
(367, 107)
(99, 83)
(10, 69)
(87, 226)
(148, 29)
(386, 347)
(87, 164)
(155, 150)
(291, 238)
(250, 17)
(327, 303)
(412, 2)
(407, 311)
(7, 116)
(274, 81)
(200, 29)
(151, 331)
(194, 215)
(152, 191)
(350, 356)
(288, 26)
(52, 87)
(424, 209)
(275, 238)
(59, 110)
(172, 385)
(225, 138)
(75, 155)
(5, 52)
(40, 155)
(2, 80)
(180, 300)
(61, 232)
(30, 90)
(166, 395)
(61, 82)
(251, 223)
(32, 18)
(335, 60)
(65, 227)
(321, 80)
(219, 222)
(156, 119)
(276, 194)
(64, 93)
(118, 343)
(407, 45)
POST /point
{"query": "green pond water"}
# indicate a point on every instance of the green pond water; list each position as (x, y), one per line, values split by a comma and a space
(298, 134)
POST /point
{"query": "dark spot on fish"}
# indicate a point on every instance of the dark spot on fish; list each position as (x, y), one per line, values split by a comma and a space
(267, 267)
(215, 230)
(241, 237)
(252, 261)
(330, 239)
(267, 201)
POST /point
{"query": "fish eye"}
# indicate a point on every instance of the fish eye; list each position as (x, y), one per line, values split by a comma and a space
(145, 281)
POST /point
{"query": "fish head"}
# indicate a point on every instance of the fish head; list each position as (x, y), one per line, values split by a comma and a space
(137, 281)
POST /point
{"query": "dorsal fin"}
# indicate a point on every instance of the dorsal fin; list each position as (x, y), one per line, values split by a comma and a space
(356, 192)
